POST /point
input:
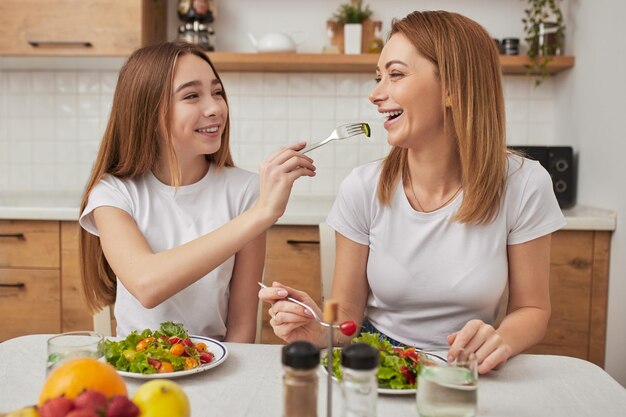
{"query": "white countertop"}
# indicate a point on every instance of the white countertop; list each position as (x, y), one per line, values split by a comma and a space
(301, 210)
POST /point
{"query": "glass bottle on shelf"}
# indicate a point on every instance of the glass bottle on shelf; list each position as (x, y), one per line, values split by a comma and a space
(300, 382)
(359, 384)
(376, 45)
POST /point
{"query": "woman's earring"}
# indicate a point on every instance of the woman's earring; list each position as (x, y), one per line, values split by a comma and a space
(448, 102)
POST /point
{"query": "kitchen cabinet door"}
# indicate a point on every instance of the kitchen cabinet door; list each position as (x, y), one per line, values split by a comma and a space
(29, 302)
(78, 27)
(293, 258)
(29, 244)
(579, 265)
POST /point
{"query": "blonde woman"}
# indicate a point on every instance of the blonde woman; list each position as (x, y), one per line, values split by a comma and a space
(171, 229)
(428, 238)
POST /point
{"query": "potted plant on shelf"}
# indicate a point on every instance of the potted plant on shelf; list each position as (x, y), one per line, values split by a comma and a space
(351, 17)
(544, 31)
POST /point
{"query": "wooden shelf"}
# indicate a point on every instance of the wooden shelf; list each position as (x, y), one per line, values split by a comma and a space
(364, 63)
(516, 64)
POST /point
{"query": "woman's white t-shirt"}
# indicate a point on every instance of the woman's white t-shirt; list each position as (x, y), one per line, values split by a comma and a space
(429, 276)
(169, 217)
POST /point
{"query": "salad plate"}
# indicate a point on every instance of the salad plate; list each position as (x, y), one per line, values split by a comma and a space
(399, 365)
(218, 349)
(383, 391)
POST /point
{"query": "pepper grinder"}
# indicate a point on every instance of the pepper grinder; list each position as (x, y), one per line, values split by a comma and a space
(330, 317)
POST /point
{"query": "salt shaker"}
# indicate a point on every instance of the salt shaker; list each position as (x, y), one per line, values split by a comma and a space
(300, 361)
(359, 384)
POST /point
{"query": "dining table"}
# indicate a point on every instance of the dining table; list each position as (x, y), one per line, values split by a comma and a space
(249, 383)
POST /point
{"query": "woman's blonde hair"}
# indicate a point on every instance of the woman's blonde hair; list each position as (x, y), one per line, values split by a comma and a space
(131, 145)
(468, 67)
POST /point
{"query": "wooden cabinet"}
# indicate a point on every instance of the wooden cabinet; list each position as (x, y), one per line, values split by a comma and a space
(293, 258)
(30, 296)
(78, 27)
(579, 272)
(40, 290)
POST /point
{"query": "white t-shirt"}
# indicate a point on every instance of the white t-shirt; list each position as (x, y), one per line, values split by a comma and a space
(169, 217)
(428, 276)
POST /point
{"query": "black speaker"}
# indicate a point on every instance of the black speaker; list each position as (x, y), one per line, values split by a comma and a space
(559, 162)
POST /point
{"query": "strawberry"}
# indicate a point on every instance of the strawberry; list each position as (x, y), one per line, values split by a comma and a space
(82, 413)
(90, 400)
(56, 407)
(121, 406)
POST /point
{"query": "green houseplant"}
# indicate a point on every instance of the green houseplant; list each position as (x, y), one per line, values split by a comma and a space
(544, 32)
(352, 12)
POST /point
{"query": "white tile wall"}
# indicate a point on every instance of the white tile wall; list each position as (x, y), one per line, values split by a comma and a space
(51, 122)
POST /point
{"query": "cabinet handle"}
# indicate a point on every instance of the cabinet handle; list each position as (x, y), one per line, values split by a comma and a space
(302, 242)
(18, 236)
(13, 285)
(60, 44)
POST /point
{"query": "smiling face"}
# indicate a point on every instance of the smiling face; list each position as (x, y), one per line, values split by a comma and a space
(408, 95)
(199, 111)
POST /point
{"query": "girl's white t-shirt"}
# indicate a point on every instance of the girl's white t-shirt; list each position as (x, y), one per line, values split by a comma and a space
(429, 276)
(169, 217)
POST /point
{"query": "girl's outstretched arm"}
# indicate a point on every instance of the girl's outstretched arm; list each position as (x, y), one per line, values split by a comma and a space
(154, 277)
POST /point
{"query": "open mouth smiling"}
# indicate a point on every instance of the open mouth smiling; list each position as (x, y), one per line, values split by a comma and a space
(212, 129)
(390, 115)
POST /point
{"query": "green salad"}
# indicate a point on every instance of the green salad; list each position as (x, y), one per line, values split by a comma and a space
(398, 367)
(168, 349)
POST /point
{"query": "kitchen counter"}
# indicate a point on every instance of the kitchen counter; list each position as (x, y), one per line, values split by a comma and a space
(301, 210)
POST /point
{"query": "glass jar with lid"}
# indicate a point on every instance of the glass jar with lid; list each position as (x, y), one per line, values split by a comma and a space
(359, 383)
(300, 381)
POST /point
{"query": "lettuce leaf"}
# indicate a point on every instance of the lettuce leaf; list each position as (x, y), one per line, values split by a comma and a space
(397, 369)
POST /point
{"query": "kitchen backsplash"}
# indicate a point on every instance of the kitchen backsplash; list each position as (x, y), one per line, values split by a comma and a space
(51, 122)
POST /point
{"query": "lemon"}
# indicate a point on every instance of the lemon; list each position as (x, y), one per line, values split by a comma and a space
(161, 398)
(24, 412)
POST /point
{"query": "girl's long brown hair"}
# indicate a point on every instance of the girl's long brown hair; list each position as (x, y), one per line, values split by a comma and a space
(131, 145)
(468, 67)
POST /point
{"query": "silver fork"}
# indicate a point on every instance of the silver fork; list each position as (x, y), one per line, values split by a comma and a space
(341, 132)
(300, 303)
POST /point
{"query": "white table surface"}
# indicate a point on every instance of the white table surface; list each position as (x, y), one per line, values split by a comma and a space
(249, 383)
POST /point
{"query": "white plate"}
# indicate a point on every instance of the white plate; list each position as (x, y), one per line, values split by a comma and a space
(219, 351)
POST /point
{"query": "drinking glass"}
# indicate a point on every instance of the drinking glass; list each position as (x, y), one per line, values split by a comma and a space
(447, 389)
(73, 345)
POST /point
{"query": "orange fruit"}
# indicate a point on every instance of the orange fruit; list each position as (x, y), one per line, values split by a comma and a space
(76, 375)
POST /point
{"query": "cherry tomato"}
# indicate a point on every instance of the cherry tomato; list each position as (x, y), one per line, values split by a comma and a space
(205, 357)
(155, 363)
(409, 353)
(177, 349)
(129, 354)
(187, 342)
(143, 344)
(348, 328)
(166, 367)
(191, 363)
(201, 347)
(173, 340)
